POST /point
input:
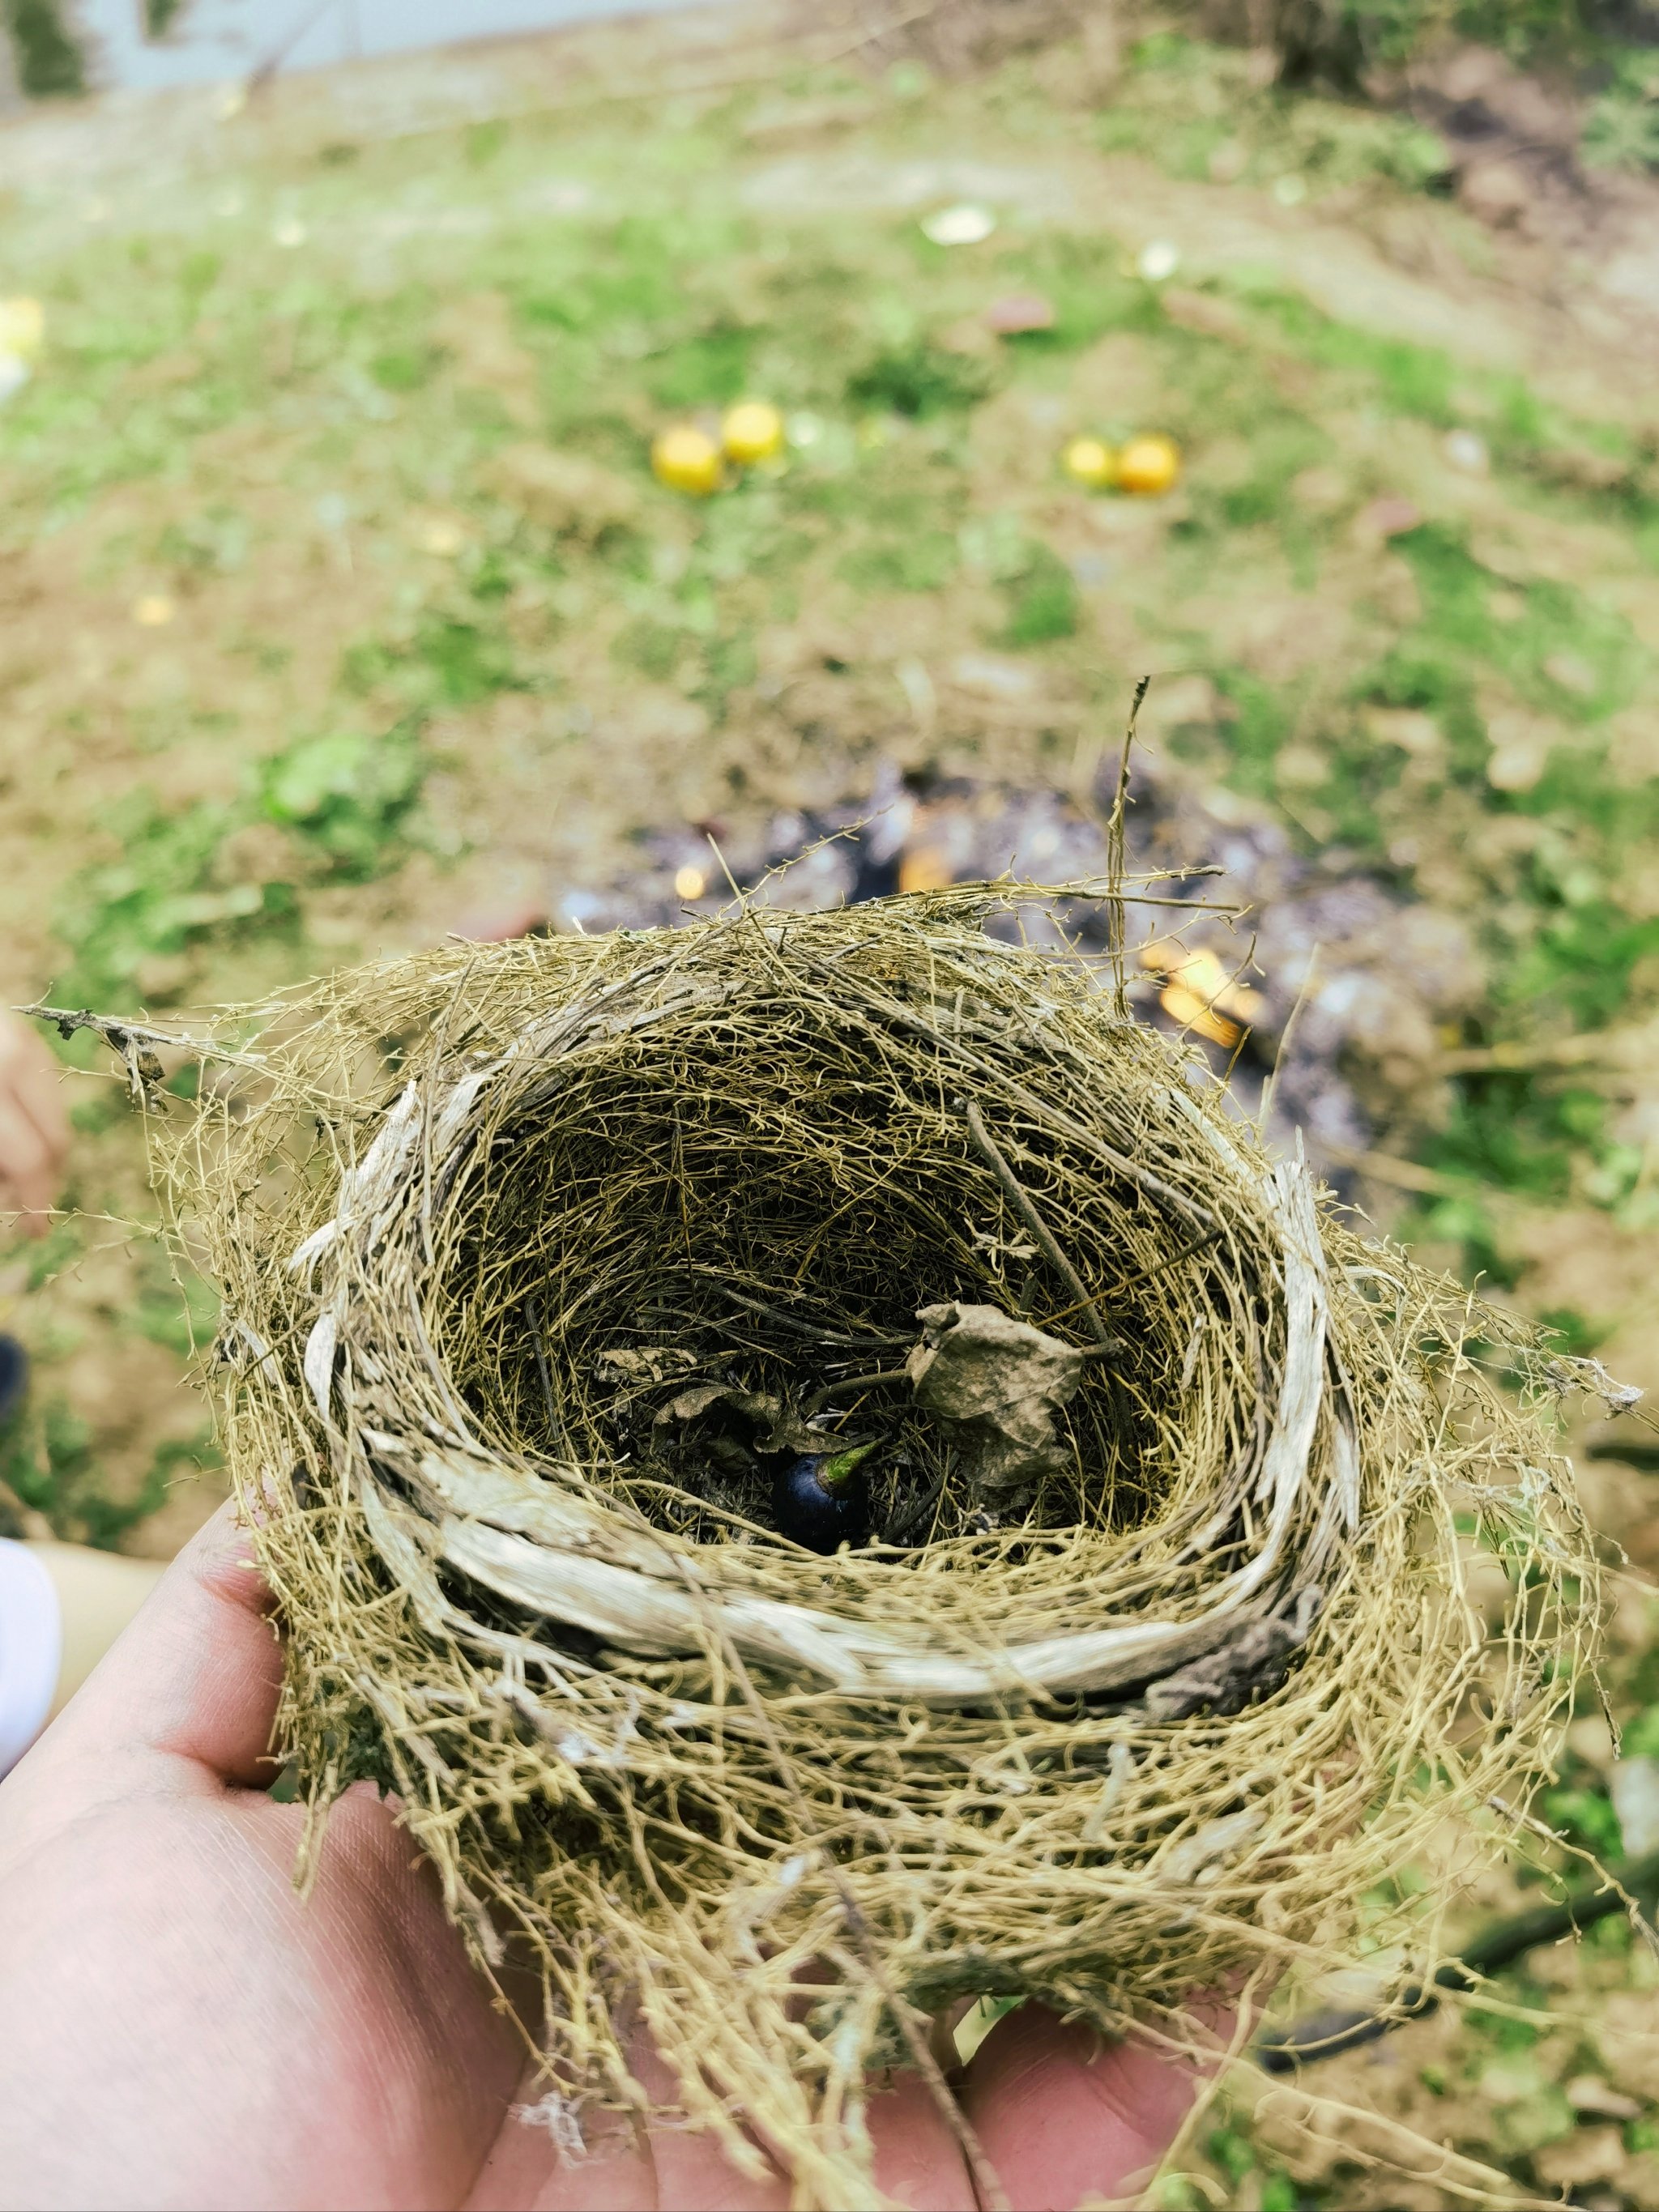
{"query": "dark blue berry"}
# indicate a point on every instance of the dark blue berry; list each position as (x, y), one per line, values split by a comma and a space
(823, 1501)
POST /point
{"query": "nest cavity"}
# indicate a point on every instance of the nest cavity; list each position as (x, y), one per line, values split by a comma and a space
(1191, 1531)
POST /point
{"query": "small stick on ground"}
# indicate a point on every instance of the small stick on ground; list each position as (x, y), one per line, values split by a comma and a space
(1324, 2034)
(1282, 1052)
(1020, 1200)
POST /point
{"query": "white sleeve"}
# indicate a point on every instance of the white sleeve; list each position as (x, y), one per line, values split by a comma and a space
(31, 1649)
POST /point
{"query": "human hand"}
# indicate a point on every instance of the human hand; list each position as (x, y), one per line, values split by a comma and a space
(35, 1131)
(197, 2034)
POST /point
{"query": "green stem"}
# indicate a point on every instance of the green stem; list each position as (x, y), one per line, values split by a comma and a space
(838, 1470)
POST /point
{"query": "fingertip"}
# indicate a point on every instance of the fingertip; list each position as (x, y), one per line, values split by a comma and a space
(219, 1558)
(196, 1676)
(1064, 2114)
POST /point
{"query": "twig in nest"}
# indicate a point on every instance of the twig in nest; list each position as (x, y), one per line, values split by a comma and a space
(1176, 1258)
(904, 1522)
(848, 1383)
(1324, 2034)
(1019, 1199)
(532, 1314)
(1117, 930)
(795, 1325)
(130, 1039)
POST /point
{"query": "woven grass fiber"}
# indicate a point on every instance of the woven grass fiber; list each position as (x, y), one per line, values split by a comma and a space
(539, 1259)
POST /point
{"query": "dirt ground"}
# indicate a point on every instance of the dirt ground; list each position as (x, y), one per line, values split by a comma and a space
(338, 608)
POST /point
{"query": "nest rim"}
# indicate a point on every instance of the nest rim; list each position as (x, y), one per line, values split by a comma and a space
(627, 1584)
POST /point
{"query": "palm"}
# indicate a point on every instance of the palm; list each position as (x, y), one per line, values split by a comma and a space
(199, 2034)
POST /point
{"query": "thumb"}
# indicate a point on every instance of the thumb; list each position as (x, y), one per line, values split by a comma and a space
(193, 1682)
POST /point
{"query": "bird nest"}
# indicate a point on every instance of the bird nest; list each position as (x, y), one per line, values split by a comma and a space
(1185, 1555)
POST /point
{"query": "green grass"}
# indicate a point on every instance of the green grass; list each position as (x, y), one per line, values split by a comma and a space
(1623, 128)
(346, 796)
(174, 1308)
(627, 319)
(1043, 600)
(915, 378)
(1529, 437)
(49, 61)
(1556, 628)
(1191, 101)
(1185, 101)
(45, 1459)
(154, 901)
(344, 799)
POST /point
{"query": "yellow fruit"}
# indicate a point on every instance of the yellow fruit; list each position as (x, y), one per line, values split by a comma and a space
(924, 868)
(22, 326)
(751, 431)
(1200, 994)
(1187, 1008)
(441, 536)
(686, 458)
(1091, 461)
(1149, 466)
